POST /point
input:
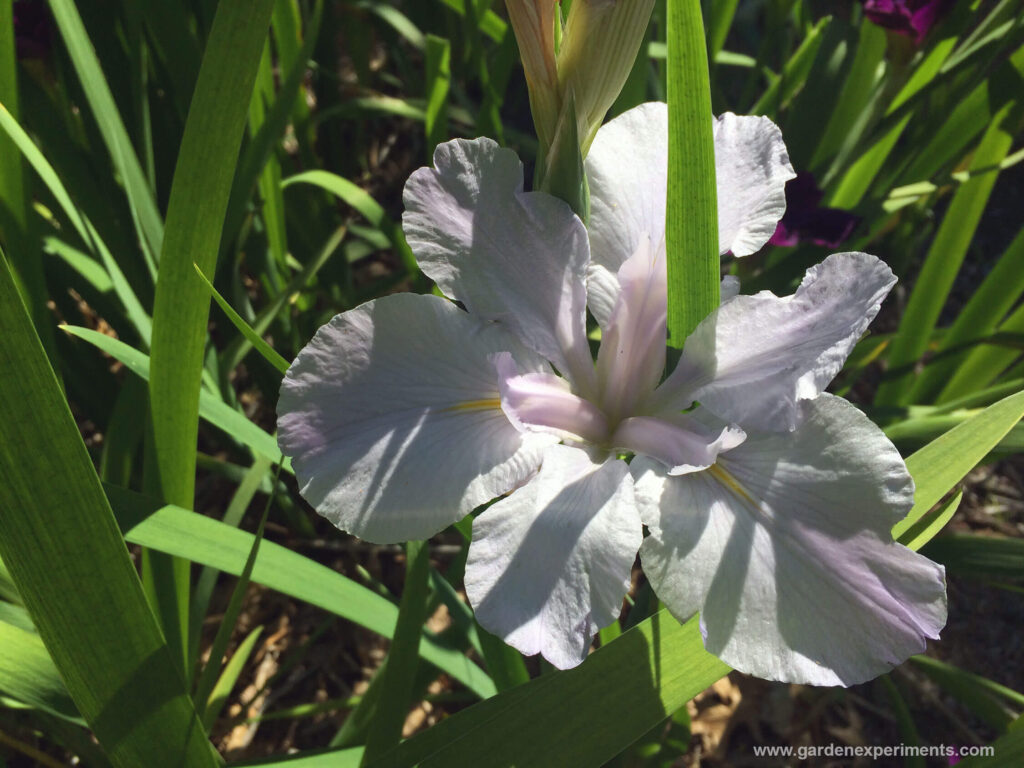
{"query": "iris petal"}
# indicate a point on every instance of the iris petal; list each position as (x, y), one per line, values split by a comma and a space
(785, 548)
(550, 564)
(393, 420)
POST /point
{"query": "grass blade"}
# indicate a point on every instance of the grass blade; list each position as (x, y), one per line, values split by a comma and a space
(86, 231)
(360, 200)
(16, 195)
(140, 197)
(206, 541)
(943, 263)
(211, 673)
(794, 74)
(925, 529)
(944, 462)
(855, 95)
(226, 682)
(980, 557)
(268, 135)
(400, 672)
(439, 80)
(620, 693)
(214, 410)
(239, 348)
(254, 338)
(60, 540)
(27, 674)
(983, 697)
(195, 217)
(691, 224)
(251, 482)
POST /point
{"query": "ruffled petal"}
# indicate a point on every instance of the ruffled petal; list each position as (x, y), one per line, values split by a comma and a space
(550, 564)
(784, 547)
(751, 169)
(755, 358)
(392, 417)
(516, 257)
(628, 182)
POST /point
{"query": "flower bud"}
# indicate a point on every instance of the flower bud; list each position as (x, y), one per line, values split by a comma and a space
(533, 22)
(600, 44)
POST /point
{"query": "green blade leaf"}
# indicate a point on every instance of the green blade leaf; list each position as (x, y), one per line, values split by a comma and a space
(27, 674)
(203, 540)
(195, 215)
(212, 409)
(944, 462)
(81, 224)
(615, 697)
(438, 82)
(254, 338)
(206, 695)
(691, 220)
(59, 541)
(400, 670)
(983, 697)
(794, 74)
(104, 110)
(980, 557)
(925, 529)
(226, 682)
(369, 208)
(942, 265)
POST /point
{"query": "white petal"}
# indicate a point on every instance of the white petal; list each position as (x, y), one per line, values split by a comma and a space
(730, 287)
(544, 402)
(751, 170)
(391, 415)
(784, 547)
(626, 174)
(512, 256)
(755, 358)
(632, 354)
(626, 170)
(550, 564)
(681, 442)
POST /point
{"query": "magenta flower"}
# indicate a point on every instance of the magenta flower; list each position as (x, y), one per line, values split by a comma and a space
(913, 18)
(806, 221)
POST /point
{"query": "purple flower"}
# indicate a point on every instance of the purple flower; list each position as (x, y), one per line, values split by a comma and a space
(806, 221)
(913, 18)
(32, 29)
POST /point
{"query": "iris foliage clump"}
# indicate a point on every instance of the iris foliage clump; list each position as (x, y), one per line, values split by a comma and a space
(618, 345)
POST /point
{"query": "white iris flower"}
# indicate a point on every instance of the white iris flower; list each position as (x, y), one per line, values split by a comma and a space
(769, 506)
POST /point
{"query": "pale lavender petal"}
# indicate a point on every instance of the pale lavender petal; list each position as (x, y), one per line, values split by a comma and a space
(751, 169)
(784, 547)
(392, 417)
(756, 358)
(550, 564)
(632, 354)
(626, 170)
(680, 442)
(626, 173)
(516, 257)
(544, 402)
(730, 287)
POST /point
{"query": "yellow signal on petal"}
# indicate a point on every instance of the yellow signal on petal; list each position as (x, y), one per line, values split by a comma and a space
(475, 405)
